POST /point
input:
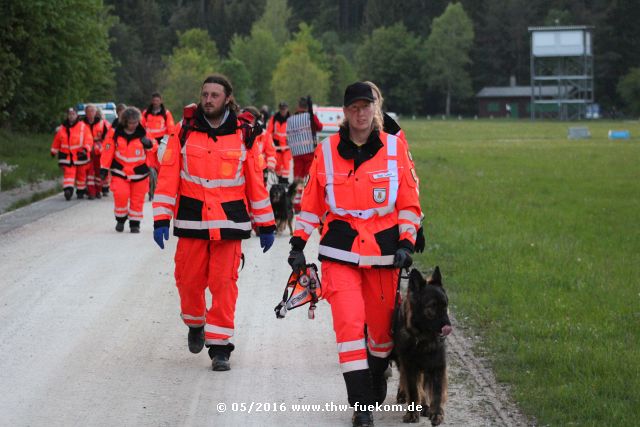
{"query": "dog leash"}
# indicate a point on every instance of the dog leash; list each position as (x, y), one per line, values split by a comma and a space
(396, 304)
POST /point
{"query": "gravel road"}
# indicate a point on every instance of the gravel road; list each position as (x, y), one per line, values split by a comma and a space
(91, 335)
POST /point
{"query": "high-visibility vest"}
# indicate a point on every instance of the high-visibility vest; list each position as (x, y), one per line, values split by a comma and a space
(212, 189)
(157, 125)
(72, 144)
(370, 212)
(125, 156)
(267, 150)
(278, 131)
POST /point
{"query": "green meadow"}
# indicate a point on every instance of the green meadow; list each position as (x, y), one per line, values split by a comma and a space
(28, 157)
(538, 239)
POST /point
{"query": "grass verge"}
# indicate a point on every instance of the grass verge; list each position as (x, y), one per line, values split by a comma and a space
(539, 241)
(33, 198)
(27, 157)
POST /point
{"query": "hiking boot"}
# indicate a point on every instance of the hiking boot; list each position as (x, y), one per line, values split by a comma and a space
(105, 191)
(134, 226)
(68, 192)
(98, 195)
(219, 355)
(91, 197)
(80, 194)
(362, 419)
(120, 226)
(196, 339)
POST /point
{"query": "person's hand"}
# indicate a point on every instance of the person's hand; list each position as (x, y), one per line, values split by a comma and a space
(402, 258)
(266, 241)
(420, 242)
(146, 142)
(103, 173)
(296, 260)
(53, 154)
(161, 234)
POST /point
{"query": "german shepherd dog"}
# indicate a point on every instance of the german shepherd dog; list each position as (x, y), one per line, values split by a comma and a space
(421, 323)
(282, 204)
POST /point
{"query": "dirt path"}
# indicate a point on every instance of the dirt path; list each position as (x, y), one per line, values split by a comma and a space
(91, 335)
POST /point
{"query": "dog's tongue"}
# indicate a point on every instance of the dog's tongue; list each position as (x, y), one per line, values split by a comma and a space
(446, 330)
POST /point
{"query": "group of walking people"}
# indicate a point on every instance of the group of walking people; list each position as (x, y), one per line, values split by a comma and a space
(361, 191)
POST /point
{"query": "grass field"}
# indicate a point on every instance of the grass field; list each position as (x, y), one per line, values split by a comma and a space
(538, 238)
(29, 159)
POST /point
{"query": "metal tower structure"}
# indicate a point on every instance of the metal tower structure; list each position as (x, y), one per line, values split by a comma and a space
(562, 59)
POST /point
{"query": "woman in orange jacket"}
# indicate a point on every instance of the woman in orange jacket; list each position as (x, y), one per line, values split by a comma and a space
(125, 155)
(363, 180)
(72, 144)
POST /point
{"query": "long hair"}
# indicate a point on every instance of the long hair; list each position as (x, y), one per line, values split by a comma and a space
(378, 121)
(130, 113)
(228, 89)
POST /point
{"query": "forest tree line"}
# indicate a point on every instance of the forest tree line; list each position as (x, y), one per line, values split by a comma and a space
(427, 56)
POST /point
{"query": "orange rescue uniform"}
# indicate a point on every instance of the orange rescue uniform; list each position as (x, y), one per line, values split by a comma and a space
(157, 125)
(369, 195)
(210, 183)
(277, 128)
(72, 145)
(99, 130)
(126, 158)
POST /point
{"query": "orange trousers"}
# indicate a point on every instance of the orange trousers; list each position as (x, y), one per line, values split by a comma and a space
(94, 183)
(360, 296)
(283, 163)
(75, 176)
(213, 264)
(128, 198)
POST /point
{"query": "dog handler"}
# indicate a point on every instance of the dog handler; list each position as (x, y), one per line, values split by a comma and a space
(210, 182)
(363, 179)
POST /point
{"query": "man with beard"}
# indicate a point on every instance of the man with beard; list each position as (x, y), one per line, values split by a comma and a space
(210, 182)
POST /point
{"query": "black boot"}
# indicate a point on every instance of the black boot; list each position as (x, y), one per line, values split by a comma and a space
(196, 339)
(80, 194)
(68, 193)
(378, 367)
(120, 225)
(362, 418)
(219, 355)
(134, 226)
(359, 388)
(105, 191)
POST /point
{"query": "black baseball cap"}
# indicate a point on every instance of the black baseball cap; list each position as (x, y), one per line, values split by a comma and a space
(356, 92)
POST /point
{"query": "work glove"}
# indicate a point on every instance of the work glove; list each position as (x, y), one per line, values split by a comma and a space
(402, 258)
(266, 241)
(161, 234)
(103, 173)
(296, 260)
(419, 246)
(146, 142)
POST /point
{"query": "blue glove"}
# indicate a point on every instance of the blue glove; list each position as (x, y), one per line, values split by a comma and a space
(266, 241)
(160, 233)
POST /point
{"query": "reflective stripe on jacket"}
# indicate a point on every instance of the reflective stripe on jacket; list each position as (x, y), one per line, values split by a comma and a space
(211, 187)
(370, 211)
(72, 144)
(125, 156)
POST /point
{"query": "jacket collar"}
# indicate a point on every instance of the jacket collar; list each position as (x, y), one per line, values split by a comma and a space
(280, 118)
(138, 133)
(349, 150)
(161, 112)
(228, 127)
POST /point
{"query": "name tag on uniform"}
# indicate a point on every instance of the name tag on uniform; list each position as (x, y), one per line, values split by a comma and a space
(387, 174)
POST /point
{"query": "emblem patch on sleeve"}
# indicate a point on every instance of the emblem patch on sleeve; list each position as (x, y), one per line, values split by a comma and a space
(379, 195)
